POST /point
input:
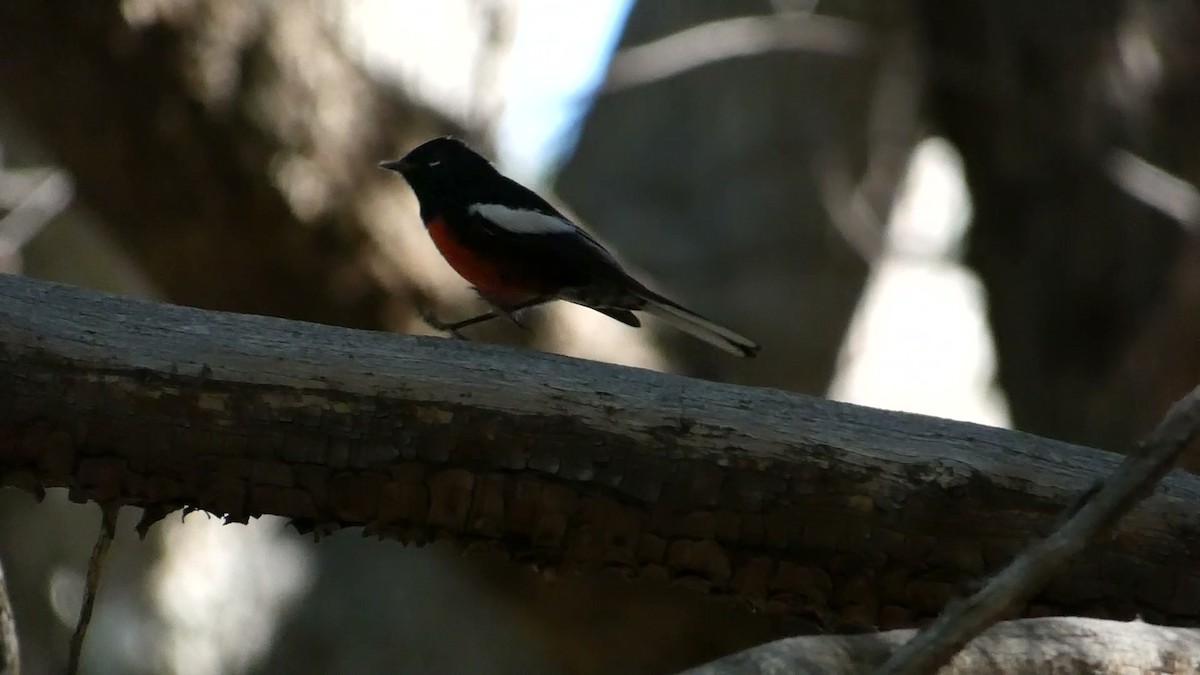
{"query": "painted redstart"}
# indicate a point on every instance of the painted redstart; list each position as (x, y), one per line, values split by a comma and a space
(518, 251)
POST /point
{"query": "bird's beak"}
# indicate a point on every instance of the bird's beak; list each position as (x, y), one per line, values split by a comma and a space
(397, 165)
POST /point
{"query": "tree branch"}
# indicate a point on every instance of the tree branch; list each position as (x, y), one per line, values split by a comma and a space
(839, 515)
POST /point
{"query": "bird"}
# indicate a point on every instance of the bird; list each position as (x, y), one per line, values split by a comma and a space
(518, 251)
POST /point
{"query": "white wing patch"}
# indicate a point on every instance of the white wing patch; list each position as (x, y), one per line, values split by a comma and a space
(524, 221)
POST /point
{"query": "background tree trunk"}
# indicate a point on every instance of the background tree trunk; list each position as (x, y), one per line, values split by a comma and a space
(1091, 292)
(707, 180)
(230, 148)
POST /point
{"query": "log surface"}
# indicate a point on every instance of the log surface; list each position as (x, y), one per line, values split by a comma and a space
(842, 516)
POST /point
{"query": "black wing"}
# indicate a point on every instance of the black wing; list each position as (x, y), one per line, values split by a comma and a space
(512, 194)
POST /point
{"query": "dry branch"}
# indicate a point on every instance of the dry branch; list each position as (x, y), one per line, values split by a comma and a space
(91, 588)
(841, 516)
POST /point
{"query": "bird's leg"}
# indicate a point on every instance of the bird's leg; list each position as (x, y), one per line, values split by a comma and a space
(497, 311)
(510, 313)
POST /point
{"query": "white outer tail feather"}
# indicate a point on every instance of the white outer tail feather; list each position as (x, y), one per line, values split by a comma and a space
(700, 327)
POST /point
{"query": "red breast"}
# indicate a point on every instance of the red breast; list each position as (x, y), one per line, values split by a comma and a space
(488, 276)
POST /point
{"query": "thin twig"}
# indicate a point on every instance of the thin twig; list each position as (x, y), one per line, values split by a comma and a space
(108, 528)
(52, 195)
(1133, 481)
(859, 211)
(726, 39)
(1155, 187)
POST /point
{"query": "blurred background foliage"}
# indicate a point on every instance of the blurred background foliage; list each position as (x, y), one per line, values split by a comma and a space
(971, 209)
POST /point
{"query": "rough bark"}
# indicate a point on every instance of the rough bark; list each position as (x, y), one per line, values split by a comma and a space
(231, 147)
(840, 516)
(1065, 646)
(1089, 288)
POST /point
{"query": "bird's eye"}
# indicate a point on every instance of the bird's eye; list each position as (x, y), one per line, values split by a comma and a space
(435, 163)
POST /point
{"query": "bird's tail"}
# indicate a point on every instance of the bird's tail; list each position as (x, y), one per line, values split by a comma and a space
(690, 322)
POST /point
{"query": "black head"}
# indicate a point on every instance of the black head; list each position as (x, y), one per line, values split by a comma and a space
(443, 169)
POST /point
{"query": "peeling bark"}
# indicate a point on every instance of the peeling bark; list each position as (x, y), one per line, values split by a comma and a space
(843, 517)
